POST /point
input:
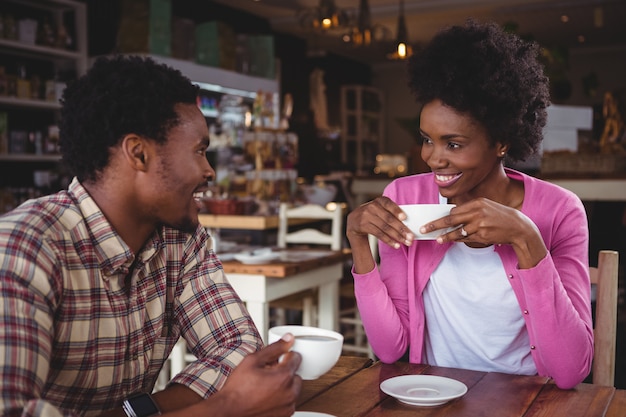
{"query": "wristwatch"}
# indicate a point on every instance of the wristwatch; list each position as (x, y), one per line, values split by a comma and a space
(141, 405)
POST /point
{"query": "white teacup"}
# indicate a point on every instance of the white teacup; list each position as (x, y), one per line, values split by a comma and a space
(420, 214)
(320, 348)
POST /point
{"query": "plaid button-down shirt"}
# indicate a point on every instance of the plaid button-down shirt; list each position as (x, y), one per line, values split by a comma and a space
(76, 340)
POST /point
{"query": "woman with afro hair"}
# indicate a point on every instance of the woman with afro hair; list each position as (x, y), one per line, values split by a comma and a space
(507, 289)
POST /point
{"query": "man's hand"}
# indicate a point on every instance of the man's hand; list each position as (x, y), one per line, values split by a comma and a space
(265, 383)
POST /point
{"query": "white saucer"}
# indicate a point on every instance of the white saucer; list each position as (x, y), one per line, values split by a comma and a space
(424, 390)
(310, 414)
(247, 258)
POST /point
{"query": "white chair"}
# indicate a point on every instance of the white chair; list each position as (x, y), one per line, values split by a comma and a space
(304, 301)
(310, 236)
(605, 277)
(350, 321)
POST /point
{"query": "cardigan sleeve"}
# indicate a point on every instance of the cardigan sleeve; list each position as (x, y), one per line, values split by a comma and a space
(557, 301)
(383, 305)
(383, 297)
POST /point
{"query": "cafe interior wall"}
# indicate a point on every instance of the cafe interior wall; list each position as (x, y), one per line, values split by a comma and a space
(296, 63)
(608, 64)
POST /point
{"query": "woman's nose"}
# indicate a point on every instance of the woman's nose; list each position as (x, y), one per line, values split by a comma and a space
(433, 156)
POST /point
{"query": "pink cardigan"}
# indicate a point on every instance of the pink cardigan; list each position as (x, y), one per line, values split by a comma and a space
(554, 296)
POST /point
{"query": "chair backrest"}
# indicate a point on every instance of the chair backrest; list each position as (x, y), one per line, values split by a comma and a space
(310, 235)
(605, 277)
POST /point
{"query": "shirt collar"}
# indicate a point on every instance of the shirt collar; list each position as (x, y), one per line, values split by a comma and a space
(113, 255)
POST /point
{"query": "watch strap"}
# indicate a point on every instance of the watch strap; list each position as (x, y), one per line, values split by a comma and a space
(141, 405)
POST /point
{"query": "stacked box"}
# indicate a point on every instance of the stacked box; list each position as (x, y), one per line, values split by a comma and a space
(561, 130)
(216, 45)
(261, 58)
(183, 39)
(145, 26)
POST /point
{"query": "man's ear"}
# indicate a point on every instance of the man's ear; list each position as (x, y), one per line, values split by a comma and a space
(135, 151)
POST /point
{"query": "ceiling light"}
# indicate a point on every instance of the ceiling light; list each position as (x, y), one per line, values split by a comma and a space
(403, 48)
(363, 33)
(324, 17)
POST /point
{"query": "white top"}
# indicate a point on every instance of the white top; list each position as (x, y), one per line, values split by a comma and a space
(473, 319)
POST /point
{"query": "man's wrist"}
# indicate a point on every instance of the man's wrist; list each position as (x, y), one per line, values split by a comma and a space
(141, 405)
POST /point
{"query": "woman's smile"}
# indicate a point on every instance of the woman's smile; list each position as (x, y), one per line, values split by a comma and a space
(447, 180)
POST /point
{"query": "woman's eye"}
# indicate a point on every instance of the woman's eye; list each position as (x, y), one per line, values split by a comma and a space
(453, 145)
(426, 140)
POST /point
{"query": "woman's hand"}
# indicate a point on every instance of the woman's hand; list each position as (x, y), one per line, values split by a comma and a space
(381, 218)
(485, 222)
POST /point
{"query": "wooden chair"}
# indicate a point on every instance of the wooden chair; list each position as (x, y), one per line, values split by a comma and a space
(605, 277)
(350, 321)
(305, 301)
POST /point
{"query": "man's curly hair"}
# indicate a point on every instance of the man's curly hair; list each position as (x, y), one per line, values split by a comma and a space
(493, 76)
(118, 95)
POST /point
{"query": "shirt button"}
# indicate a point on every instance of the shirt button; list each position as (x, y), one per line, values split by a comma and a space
(525, 311)
(510, 276)
(532, 347)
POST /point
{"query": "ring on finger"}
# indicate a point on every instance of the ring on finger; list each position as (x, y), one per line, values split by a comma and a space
(463, 232)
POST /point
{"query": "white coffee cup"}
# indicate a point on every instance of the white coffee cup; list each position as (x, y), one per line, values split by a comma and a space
(320, 348)
(420, 214)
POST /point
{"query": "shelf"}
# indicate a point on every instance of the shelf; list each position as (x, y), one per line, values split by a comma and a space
(38, 50)
(26, 170)
(58, 55)
(230, 82)
(210, 112)
(363, 113)
(29, 103)
(362, 139)
(18, 157)
(362, 128)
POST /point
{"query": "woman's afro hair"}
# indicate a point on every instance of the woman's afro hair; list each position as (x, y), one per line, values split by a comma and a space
(493, 76)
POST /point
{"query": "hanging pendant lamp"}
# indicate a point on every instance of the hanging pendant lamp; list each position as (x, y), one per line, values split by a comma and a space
(403, 49)
(324, 17)
(364, 33)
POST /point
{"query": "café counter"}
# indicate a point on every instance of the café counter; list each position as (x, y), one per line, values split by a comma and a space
(587, 189)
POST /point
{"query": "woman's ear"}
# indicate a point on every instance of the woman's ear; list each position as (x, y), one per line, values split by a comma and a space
(135, 151)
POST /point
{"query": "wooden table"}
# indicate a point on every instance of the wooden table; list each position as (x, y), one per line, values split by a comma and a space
(237, 222)
(294, 271)
(351, 388)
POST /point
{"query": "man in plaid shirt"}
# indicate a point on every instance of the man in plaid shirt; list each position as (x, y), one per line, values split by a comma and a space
(99, 281)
